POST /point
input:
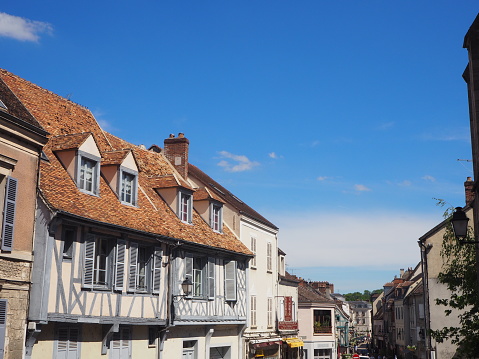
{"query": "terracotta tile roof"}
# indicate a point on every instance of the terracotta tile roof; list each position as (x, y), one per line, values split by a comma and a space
(227, 196)
(114, 157)
(13, 104)
(168, 181)
(68, 142)
(308, 294)
(206, 194)
(60, 116)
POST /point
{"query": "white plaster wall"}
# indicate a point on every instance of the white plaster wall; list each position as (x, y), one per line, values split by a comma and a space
(262, 283)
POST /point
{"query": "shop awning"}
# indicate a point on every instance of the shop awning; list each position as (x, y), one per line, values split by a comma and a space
(294, 342)
(265, 342)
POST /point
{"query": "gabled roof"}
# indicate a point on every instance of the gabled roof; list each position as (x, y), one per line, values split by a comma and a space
(61, 117)
(114, 157)
(306, 294)
(68, 142)
(227, 196)
(202, 194)
(169, 181)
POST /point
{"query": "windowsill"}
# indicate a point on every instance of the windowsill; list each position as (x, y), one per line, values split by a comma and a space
(88, 192)
(134, 205)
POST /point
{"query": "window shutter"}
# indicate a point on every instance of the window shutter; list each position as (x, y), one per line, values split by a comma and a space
(88, 260)
(132, 265)
(230, 281)
(253, 249)
(96, 178)
(3, 325)
(157, 261)
(120, 264)
(120, 344)
(67, 343)
(188, 269)
(270, 312)
(211, 278)
(421, 310)
(269, 257)
(190, 209)
(9, 213)
(253, 311)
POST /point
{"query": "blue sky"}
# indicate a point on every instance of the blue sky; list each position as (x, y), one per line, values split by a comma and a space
(340, 121)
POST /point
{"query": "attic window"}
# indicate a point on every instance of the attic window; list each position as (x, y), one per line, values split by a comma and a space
(128, 187)
(88, 175)
(185, 207)
(216, 212)
(2, 106)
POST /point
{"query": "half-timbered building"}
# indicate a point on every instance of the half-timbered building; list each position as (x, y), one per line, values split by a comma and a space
(125, 263)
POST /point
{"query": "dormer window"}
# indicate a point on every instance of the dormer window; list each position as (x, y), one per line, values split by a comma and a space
(121, 173)
(128, 187)
(88, 176)
(216, 212)
(80, 156)
(185, 206)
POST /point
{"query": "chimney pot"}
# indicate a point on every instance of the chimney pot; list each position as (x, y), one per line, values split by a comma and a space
(469, 190)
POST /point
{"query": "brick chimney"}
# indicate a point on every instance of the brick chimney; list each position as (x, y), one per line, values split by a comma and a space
(176, 151)
(469, 189)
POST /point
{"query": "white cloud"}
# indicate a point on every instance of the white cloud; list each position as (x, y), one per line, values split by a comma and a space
(273, 155)
(429, 178)
(323, 178)
(361, 188)
(22, 29)
(385, 126)
(405, 183)
(236, 163)
(352, 239)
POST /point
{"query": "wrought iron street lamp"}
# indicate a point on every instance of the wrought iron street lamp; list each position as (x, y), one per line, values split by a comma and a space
(186, 287)
(459, 223)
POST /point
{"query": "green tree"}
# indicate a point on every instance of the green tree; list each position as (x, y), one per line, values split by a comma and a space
(458, 273)
(357, 296)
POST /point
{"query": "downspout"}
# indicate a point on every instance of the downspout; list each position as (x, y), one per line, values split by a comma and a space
(169, 302)
(424, 249)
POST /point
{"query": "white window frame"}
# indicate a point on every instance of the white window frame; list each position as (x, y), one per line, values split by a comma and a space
(91, 262)
(124, 173)
(185, 206)
(216, 220)
(196, 269)
(95, 173)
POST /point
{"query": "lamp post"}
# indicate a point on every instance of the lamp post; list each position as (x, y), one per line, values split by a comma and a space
(186, 287)
(459, 223)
